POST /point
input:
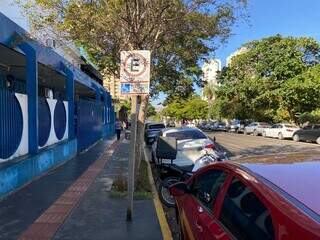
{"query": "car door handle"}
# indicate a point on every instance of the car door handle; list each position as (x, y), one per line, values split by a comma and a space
(199, 227)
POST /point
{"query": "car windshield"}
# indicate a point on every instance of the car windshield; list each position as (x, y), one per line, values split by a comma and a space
(156, 126)
(190, 134)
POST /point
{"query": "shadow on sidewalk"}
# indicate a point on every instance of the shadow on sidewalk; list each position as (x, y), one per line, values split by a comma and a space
(100, 216)
(21, 209)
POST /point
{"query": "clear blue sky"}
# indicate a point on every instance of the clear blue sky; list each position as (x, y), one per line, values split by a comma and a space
(270, 17)
(267, 17)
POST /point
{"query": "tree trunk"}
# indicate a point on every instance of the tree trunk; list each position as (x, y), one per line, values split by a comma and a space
(293, 117)
(140, 132)
(209, 109)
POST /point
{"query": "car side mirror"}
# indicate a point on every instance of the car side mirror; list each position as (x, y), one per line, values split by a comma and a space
(179, 189)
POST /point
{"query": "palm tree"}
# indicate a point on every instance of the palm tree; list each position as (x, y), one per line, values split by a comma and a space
(209, 92)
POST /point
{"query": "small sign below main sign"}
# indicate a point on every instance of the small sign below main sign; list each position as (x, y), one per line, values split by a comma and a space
(135, 72)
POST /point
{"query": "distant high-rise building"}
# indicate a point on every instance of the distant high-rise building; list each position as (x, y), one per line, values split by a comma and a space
(237, 52)
(112, 83)
(210, 71)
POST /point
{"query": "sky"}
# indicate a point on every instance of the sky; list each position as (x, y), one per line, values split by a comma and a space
(269, 17)
(266, 18)
(11, 10)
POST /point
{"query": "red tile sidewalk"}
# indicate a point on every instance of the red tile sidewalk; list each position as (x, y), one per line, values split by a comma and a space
(45, 227)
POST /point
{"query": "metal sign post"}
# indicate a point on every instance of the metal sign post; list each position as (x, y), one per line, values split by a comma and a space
(132, 158)
(135, 80)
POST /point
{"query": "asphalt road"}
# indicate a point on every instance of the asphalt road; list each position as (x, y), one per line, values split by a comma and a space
(240, 145)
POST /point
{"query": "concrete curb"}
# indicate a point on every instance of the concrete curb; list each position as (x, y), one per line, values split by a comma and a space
(165, 229)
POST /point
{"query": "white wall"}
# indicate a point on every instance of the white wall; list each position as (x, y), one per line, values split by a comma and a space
(52, 137)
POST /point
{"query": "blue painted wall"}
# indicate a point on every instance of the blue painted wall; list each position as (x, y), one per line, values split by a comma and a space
(91, 126)
(11, 123)
(15, 175)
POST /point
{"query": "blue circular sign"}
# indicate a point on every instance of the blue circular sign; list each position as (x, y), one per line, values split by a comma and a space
(44, 118)
(11, 124)
(60, 119)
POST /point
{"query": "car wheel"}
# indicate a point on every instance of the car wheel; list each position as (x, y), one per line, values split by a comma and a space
(255, 133)
(296, 138)
(280, 136)
(164, 194)
(318, 140)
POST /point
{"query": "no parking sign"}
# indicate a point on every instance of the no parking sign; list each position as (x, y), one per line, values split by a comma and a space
(135, 72)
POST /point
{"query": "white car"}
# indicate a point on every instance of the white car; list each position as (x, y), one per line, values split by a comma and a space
(280, 130)
(191, 143)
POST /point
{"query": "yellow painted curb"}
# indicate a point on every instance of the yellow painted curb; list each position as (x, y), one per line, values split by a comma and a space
(165, 229)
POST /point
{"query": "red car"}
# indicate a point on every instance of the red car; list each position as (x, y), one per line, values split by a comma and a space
(261, 198)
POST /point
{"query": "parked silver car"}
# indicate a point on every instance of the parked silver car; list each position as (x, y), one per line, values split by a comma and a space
(256, 128)
(152, 131)
(190, 145)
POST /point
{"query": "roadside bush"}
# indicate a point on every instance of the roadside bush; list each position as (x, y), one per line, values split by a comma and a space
(311, 118)
(142, 184)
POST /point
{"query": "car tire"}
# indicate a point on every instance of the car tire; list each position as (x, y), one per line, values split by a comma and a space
(164, 194)
(280, 136)
(318, 140)
(296, 138)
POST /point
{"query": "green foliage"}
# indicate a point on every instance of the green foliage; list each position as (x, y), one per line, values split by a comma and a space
(275, 79)
(151, 110)
(192, 108)
(178, 33)
(311, 118)
(156, 118)
(302, 93)
(209, 91)
(142, 185)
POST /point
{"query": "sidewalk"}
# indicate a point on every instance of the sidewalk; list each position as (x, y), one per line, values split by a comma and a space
(22, 208)
(100, 216)
(74, 202)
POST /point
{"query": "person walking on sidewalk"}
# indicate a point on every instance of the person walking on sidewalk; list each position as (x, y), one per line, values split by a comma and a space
(118, 128)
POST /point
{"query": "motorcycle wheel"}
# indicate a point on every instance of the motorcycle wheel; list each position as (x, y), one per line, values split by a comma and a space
(164, 194)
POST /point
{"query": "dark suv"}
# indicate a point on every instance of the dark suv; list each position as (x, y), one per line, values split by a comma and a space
(309, 133)
(152, 131)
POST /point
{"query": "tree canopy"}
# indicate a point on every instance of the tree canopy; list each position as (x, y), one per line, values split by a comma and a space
(275, 79)
(179, 33)
(189, 109)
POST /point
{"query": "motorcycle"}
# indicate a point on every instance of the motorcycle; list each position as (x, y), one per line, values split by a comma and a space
(171, 174)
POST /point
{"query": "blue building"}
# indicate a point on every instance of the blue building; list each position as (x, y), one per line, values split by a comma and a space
(49, 109)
